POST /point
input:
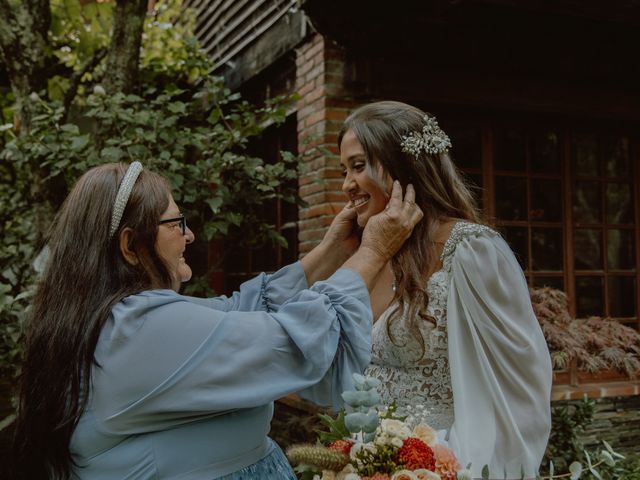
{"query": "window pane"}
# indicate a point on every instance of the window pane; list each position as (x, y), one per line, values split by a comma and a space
(236, 259)
(622, 296)
(589, 296)
(553, 282)
(290, 254)
(620, 250)
(546, 248)
(511, 198)
(587, 249)
(467, 146)
(265, 259)
(619, 206)
(516, 237)
(510, 150)
(546, 200)
(544, 155)
(587, 202)
(585, 155)
(615, 151)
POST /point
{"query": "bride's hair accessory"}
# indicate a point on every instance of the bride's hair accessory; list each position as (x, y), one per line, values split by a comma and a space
(431, 139)
(123, 196)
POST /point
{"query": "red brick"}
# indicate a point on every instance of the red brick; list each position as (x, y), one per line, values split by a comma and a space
(315, 94)
(316, 72)
(317, 211)
(305, 89)
(337, 114)
(334, 67)
(308, 190)
(317, 47)
(307, 110)
(303, 69)
(315, 117)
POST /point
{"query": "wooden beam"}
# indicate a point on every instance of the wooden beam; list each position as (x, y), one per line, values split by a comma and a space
(276, 42)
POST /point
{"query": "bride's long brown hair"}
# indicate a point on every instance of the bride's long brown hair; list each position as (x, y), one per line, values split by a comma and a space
(85, 275)
(441, 193)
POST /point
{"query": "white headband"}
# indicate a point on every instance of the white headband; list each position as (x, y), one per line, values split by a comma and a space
(123, 195)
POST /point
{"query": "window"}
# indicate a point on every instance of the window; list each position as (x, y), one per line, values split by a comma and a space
(241, 264)
(565, 200)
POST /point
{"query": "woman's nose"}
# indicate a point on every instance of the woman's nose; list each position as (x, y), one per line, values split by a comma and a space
(348, 184)
(189, 236)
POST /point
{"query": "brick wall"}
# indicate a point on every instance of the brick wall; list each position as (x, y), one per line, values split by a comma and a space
(321, 109)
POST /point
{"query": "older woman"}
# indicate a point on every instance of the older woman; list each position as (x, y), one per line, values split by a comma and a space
(126, 378)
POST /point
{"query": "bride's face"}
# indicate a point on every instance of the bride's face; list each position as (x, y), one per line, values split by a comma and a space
(365, 192)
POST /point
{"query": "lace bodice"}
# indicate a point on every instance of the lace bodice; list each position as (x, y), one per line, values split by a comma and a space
(420, 381)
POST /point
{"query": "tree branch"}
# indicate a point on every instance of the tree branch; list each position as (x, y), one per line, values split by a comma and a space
(76, 78)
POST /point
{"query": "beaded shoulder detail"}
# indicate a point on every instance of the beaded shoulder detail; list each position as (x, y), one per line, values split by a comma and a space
(459, 232)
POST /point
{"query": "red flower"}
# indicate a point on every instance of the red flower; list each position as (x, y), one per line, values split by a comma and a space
(415, 454)
(343, 446)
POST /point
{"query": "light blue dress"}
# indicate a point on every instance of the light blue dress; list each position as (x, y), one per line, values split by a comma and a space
(185, 386)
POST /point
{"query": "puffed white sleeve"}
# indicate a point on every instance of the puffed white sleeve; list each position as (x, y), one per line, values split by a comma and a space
(501, 370)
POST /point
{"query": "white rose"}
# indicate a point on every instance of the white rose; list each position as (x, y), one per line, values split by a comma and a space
(424, 474)
(345, 472)
(404, 475)
(352, 476)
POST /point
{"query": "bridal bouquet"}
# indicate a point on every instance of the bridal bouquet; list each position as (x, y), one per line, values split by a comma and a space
(372, 443)
(369, 442)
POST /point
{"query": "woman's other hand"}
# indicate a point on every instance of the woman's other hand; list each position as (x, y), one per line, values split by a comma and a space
(387, 231)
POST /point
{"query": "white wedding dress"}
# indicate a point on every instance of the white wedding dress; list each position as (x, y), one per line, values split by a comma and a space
(484, 374)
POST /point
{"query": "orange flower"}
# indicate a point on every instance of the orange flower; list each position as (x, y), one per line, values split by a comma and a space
(343, 446)
(446, 463)
(415, 454)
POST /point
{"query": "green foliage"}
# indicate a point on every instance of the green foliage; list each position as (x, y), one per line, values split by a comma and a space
(170, 54)
(568, 422)
(182, 123)
(170, 51)
(198, 140)
(337, 429)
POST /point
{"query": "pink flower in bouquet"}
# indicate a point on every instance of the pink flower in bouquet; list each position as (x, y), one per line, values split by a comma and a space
(425, 433)
(447, 464)
(415, 454)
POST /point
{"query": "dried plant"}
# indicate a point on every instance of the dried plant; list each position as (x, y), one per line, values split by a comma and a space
(595, 343)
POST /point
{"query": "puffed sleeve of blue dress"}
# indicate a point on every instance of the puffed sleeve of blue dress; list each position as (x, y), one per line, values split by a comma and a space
(500, 365)
(184, 387)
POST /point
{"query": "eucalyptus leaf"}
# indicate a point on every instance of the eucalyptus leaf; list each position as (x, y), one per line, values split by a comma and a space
(576, 470)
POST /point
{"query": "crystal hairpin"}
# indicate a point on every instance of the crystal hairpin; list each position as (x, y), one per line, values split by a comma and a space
(431, 139)
(124, 192)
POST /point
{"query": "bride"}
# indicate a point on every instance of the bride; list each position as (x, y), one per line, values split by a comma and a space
(455, 338)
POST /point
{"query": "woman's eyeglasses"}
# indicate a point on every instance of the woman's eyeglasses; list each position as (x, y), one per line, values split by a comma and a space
(181, 219)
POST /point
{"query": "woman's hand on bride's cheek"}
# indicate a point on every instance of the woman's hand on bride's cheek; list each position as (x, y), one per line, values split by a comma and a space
(387, 231)
(343, 232)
